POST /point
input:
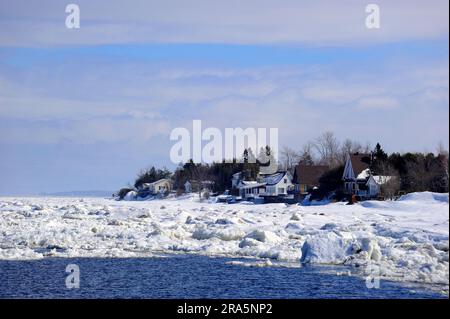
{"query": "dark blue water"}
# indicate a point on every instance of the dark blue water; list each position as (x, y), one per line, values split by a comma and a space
(184, 276)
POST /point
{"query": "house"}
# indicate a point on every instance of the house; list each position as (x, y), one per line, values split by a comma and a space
(245, 175)
(358, 178)
(373, 185)
(272, 185)
(278, 184)
(355, 164)
(306, 177)
(251, 189)
(159, 187)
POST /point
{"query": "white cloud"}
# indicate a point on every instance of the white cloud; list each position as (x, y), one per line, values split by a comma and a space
(321, 23)
(65, 113)
(120, 103)
(335, 93)
(377, 103)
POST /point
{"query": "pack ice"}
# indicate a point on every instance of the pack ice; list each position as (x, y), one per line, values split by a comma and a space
(406, 239)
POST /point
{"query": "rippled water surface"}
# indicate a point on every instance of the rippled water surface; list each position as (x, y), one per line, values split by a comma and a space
(185, 276)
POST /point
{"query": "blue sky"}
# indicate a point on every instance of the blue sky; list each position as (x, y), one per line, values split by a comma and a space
(87, 109)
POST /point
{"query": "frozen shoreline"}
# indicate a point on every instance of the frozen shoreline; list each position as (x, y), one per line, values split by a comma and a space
(406, 240)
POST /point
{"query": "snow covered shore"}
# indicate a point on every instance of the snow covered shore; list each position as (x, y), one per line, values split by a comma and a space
(407, 240)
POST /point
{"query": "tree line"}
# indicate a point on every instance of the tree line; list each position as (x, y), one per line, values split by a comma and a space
(413, 171)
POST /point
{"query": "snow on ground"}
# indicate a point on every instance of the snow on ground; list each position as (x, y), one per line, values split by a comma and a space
(405, 240)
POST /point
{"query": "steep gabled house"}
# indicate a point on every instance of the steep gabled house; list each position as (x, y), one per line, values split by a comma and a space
(356, 164)
(358, 178)
(306, 177)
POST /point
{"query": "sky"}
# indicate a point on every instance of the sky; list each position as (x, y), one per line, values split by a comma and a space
(88, 108)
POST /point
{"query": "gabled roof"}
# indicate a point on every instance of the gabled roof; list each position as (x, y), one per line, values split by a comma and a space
(249, 182)
(360, 162)
(148, 185)
(381, 180)
(274, 179)
(163, 180)
(252, 185)
(309, 174)
(364, 175)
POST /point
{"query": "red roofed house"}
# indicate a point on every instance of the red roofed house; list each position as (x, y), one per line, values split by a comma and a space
(358, 178)
(307, 177)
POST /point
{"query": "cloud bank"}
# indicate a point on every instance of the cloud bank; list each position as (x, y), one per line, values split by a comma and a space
(86, 109)
(311, 23)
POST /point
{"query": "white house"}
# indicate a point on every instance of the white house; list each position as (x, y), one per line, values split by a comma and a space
(251, 189)
(277, 184)
(159, 187)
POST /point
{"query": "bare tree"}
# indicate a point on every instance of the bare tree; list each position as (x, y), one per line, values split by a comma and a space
(348, 147)
(327, 146)
(200, 176)
(289, 158)
(440, 149)
(306, 156)
(367, 148)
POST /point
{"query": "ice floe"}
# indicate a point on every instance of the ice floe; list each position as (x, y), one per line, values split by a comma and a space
(406, 239)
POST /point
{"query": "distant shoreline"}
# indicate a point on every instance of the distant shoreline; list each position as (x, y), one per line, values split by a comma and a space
(65, 194)
(79, 193)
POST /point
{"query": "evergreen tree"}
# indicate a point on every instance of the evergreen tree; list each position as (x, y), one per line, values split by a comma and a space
(266, 161)
(379, 160)
(151, 175)
(379, 154)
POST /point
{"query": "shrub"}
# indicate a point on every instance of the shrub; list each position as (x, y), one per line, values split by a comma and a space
(123, 191)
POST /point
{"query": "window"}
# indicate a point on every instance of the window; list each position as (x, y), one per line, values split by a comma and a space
(285, 180)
